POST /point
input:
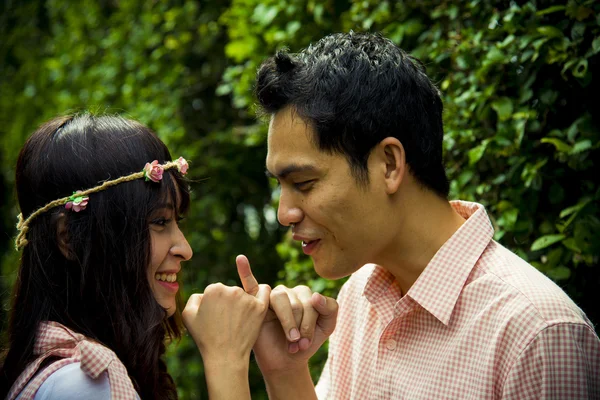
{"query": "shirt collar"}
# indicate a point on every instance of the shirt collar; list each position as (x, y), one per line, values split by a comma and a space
(438, 287)
(378, 283)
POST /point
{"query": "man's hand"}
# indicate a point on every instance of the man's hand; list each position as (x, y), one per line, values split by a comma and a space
(296, 325)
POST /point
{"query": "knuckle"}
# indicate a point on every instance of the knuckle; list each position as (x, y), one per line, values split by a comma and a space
(297, 307)
(261, 306)
(236, 290)
(210, 288)
(280, 288)
(288, 322)
(278, 294)
(306, 330)
(258, 306)
(215, 289)
(334, 304)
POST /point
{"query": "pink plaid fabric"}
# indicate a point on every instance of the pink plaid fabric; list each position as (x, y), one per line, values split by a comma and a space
(479, 323)
(54, 339)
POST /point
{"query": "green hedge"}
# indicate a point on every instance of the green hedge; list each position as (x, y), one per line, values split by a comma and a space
(518, 80)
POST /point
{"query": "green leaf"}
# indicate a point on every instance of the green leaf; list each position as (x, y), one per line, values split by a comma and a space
(510, 217)
(581, 146)
(476, 153)
(264, 15)
(293, 27)
(550, 31)
(596, 45)
(571, 245)
(465, 177)
(503, 107)
(559, 144)
(575, 208)
(241, 49)
(546, 241)
(494, 56)
(550, 10)
(554, 257)
(559, 273)
(580, 69)
(318, 285)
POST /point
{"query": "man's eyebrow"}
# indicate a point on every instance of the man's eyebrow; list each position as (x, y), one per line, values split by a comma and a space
(292, 168)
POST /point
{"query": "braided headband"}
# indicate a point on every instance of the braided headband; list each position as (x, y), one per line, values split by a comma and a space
(78, 200)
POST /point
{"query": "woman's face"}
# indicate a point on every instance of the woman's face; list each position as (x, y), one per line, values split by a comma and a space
(169, 248)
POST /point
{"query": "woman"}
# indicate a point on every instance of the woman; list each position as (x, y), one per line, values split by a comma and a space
(97, 289)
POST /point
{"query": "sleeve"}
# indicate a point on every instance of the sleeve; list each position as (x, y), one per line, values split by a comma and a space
(71, 383)
(561, 362)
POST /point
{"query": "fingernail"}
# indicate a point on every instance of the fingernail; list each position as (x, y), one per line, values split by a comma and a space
(322, 300)
(293, 348)
(294, 334)
(304, 343)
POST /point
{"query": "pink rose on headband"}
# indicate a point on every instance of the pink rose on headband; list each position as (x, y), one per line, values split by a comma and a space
(182, 165)
(153, 171)
(77, 203)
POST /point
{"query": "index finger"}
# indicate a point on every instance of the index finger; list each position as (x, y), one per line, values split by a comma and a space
(249, 282)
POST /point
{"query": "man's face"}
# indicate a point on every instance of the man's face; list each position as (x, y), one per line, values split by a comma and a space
(340, 223)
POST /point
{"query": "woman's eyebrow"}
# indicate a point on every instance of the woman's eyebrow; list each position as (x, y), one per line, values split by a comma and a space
(165, 205)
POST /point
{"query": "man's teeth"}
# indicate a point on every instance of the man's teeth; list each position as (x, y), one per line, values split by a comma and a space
(166, 277)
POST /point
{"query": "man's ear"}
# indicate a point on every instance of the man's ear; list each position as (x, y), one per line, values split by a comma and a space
(394, 158)
(62, 237)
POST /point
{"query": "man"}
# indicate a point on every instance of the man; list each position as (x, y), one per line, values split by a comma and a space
(434, 307)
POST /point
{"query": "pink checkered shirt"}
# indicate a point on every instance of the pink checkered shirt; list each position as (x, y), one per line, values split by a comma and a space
(479, 323)
(56, 340)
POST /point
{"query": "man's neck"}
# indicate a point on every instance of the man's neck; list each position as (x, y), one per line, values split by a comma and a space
(427, 222)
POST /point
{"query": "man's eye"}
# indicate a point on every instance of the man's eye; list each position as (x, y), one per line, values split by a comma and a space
(304, 185)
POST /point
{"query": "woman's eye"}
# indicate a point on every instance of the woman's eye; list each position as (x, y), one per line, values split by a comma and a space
(160, 221)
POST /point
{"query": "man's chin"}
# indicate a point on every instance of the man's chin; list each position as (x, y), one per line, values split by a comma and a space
(329, 271)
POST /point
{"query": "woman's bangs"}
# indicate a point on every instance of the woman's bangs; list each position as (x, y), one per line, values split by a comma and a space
(174, 189)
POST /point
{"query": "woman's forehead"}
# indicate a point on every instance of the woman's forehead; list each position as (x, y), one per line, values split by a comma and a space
(171, 195)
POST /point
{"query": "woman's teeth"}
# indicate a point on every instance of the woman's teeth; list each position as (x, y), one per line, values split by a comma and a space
(166, 277)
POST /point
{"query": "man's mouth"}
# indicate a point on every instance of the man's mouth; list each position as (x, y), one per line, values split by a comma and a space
(309, 246)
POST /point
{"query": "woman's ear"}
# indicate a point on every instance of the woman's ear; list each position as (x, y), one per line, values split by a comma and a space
(395, 163)
(62, 237)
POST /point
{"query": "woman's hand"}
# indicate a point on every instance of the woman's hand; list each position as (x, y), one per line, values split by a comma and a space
(224, 322)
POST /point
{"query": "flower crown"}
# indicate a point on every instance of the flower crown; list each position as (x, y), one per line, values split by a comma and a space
(78, 201)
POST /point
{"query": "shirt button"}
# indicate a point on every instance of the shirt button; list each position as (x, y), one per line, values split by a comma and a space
(391, 344)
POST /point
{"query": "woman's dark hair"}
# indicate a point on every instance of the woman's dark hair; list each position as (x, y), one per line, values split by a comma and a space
(355, 90)
(100, 287)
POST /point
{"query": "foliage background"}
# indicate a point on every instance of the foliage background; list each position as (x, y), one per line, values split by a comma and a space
(519, 81)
